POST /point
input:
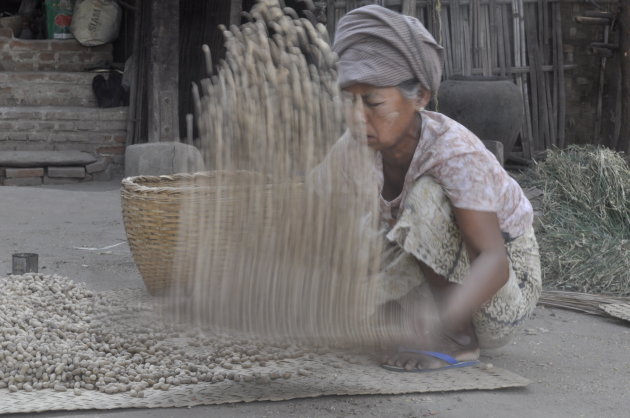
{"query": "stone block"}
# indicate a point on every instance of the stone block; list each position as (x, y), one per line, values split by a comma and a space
(27, 181)
(98, 166)
(44, 158)
(159, 158)
(24, 172)
(69, 172)
(496, 148)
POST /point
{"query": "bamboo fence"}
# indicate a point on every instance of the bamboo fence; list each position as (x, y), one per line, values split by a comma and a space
(517, 39)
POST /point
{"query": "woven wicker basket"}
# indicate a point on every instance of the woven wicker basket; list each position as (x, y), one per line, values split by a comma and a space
(153, 214)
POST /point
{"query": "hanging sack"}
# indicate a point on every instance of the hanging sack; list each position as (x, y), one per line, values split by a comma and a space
(96, 22)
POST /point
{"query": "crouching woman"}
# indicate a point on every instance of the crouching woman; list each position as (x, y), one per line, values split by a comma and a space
(467, 270)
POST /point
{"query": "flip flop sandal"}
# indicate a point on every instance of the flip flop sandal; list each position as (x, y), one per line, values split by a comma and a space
(451, 363)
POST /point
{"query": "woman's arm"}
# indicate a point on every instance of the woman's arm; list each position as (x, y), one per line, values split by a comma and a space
(489, 269)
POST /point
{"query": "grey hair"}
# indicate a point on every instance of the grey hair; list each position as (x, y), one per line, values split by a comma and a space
(410, 89)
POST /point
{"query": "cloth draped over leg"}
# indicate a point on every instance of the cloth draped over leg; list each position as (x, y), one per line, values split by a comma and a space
(426, 231)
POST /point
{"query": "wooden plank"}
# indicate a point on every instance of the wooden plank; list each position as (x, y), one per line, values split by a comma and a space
(618, 110)
(447, 43)
(236, 7)
(527, 133)
(543, 52)
(532, 53)
(517, 32)
(476, 34)
(467, 43)
(141, 113)
(430, 23)
(484, 41)
(409, 7)
(135, 81)
(524, 69)
(163, 87)
(555, 85)
(597, 137)
(550, 112)
(545, 111)
(624, 23)
(494, 33)
(545, 32)
(561, 81)
(529, 147)
(503, 40)
(331, 21)
(422, 3)
(456, 36)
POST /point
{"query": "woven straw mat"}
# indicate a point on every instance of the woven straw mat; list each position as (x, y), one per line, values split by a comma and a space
(327, 376)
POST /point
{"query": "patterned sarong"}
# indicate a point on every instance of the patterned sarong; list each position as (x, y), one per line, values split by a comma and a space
(426, 231)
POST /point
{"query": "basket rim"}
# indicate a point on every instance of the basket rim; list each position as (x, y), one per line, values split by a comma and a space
(152, 184)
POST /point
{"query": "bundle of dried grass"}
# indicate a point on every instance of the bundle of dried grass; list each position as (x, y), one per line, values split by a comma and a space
(582, 302)
(279, 255)
(584, 230)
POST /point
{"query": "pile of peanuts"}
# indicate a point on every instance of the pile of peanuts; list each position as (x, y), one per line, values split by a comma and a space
(59, 335)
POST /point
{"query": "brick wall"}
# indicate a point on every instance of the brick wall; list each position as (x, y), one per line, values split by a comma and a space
(582, 82)
(101, 132)
(48, 55)
(47, 103)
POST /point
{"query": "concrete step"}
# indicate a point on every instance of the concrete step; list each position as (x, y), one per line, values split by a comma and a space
(46, 128)
(32, 168)
(25, 159)
(46, 89)
(49, 55)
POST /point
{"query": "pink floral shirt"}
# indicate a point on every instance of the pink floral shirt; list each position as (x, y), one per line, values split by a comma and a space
(470, 175)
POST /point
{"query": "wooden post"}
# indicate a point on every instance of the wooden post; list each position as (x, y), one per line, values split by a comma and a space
(624, 23)
(236, 7)
(409, 7)
(27, 7)
(163, 80)
(134, 112)
(330, 19)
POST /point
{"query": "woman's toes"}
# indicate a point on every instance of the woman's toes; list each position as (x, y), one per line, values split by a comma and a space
(412, 364)
(390, 360)
(400, 363)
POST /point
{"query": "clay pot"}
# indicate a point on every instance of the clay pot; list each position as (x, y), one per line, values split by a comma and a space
(491, 107)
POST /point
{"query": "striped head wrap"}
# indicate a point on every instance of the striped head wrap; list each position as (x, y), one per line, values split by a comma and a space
(383, 48)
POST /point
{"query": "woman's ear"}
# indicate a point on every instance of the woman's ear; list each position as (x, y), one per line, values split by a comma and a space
(424, 97)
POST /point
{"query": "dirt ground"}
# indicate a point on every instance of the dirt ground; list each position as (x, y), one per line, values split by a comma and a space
(579, 365)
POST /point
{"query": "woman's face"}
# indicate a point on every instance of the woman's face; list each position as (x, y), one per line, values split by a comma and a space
(388, 116)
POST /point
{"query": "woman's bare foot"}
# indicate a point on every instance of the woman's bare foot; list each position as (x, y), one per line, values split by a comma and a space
(408, 357)
(419, 329)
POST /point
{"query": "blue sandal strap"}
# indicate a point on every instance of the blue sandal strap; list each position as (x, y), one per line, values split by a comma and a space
(441, 356)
